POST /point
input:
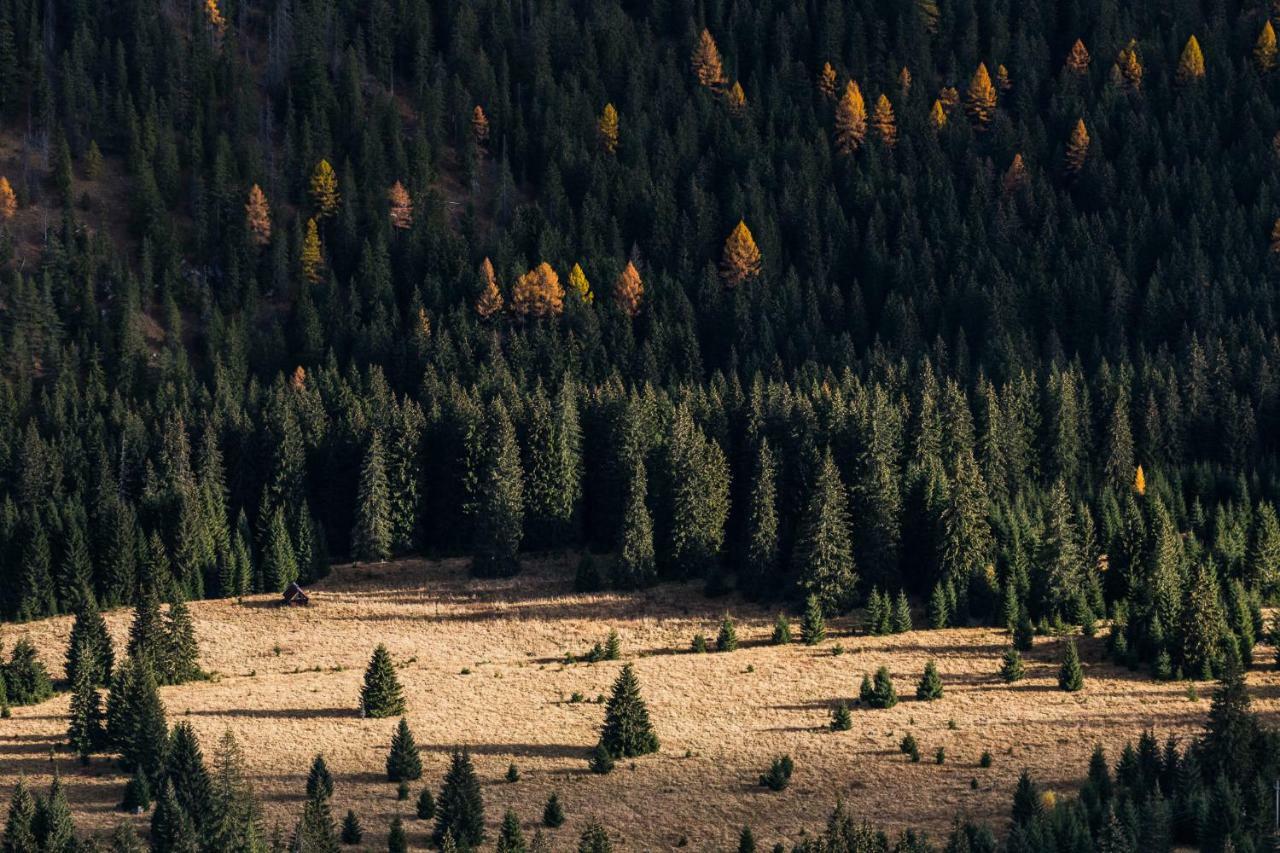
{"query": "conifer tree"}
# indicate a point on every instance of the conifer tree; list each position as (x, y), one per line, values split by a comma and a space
(553, 812)
(706, 62)
(1191, 63)
(579, 285)
(399, 207)
(352, 832)
(851, 120)
(323, 188)
(841, 719)
(55, 829)
(736, 98)
(827, 81)
(628, 290)
(699, 492)
(627, 732)
(930, 686)
(8, 201)
(1026, 801)
(26, 680)
(813, 627)
(607, 129)
(937, 116)
(740, 261)
(19, 829)
(1070, 675)
(760, 561)
(315, 830)
(312, 257)
(404, 764)
(746, 841)
(880, 692)
(181, 655)
(1204, 623)
(171, 828)
(426, 807)
(1011, 668)
(319, 779)
(89, 645)
(538, 293)
(186, 771)
(594, 839)
(1077, 148)
(479, 129)
(381, 695)
(636, 567)
(500, 516)
(727, 639)
(823, 555)
(460, 807)
(980, 100)
(883, 121)
(85, 732)
(1264, 49)
(900, 621)
(510, 838)
(1078, 59)
(257, 217)
(279, 561)
(1129, 67)
(397, 841)
(371, 535)
(235, 820)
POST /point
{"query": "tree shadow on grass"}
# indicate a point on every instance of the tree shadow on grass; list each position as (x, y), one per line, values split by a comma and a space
(275, 713)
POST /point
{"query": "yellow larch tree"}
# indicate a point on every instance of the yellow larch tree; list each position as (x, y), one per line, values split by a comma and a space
(937, 116)
(706, 61)
(489, 302)
(827, 81)
(8, 201)
(1191, 63)
(1078, 59)
(1139, 481)
(741, 259)
(479, 128)
(883, 121)
(980, 100)
(607, 129)
(324, 190)
(400, 206)
(257, 217)
(628, 290)
(904, 81)
(736, 98)
(1077, 148)
(948, 96)
(578, 284)
(312, 253)
(538, 293)
(1129, 66)
(213, 15)
(1003, 81)
(1275, 238)
(1016, 176)
(1264, 49)
(851, 119)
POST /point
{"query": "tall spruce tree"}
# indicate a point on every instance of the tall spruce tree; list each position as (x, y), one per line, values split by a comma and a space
(404, 764)
(371, 534)
(627, 731)
(381, 695)
(823, 554)
(636, 567)
(460, 806)
(760, 557)
(500, 505)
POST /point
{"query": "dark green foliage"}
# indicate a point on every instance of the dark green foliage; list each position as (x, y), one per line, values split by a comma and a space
(778, 777)
(85, 732)
(402, 791)
(626, 731)
(940, 757)
(939, 607)
(760, 560)
(513, 773)
(900, 620)
(26, 680)
(137, 794)
(1023, 633)
(880, 693)
(460, 808)
(553, 812)
(381, 695)
(426, 808)
(587, 578)
(404, 764)
(1026, 800)
(813, 627)
(319, 780)
(984, 761)
(636, 566)
(1070, 675)
(171, 828)
(315, 830)
(397, 841)
(699, 645)
(54, 829)
(930, 686)
(136, 724)
(841, 719)
(90, 645)
(823, 554)
(499, 523)
(125, 840)
(186, 771)
(781, 631)
(352, 832)
(510, 838)
(600, 760)
(612, 647)
(1011, 668)
(594, 839)
(372, 534)
(909, 747)
(727, 638)
(746, 841)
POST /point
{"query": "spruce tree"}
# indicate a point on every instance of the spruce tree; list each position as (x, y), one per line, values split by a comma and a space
(636, 567)
(85, 731)
(426, 806)
(404, 764)
(813, 627)
(319, 779)
(235, 821)
(760, 562)
(371, 534)
(181, 649)
(55, 830)
(900, 622)
(627, 732)
(186, 771)
(823, 554)
(510, 838)
(171, 828)
(26, 680)
(727, 639)
(397, 841)
(90, 644)
(352, 832)
(939, 608)
(279, 562)
(1070, 675)
(1011, 668)
(746, 841)
(381, 695)
(781, 631)
(553, 812)
(1204, 624)
(1026, 801)
(594, 839)
(460, 807)
(500, 507)
(699, 493)
(125, 840)
(841, 719)
(930, 686)
(315, 830)
(137, 794)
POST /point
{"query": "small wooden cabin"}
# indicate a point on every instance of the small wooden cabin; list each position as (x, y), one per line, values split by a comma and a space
(296, 596)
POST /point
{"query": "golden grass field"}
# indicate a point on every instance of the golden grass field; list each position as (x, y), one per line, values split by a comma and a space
(286, 681)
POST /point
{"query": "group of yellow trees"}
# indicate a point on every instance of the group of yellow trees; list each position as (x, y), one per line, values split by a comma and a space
(709, 69)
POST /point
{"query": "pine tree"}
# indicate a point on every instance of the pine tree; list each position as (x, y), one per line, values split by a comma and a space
(939, 607)
(706, 61)
(1078, 59)
(279, 561)
(323, 188)
(257, 217)
(1077, 148)
(500, 517)
(352, 832)
(760, 562)
(538, 293)
(426, 807)
(740, 261)
(399, 207)
(479, 129)
(980, 100)
(880, 692)
(1264, 49)
(900, 621)
(85, 732)
(827, 81)
(851, 120)
(397, 841)
(137, 794)
(813, 627)
(594, 839)
(1011, 668)
(319, 779)
(628, 290)
(627, 732)
(19, 829)
(26, 680)
(607, 129)
(8, 201)
(699, 491)
(636, 567)
(460, 808)
(930, 686)
(1070, 675)
(579, 285)
(1016, 177)
(823, 555)
(381, 695)
(510, 838)
(171, 828)
(371, 535)
(235, 821)
(312, 258)
(781, 631)
(883, 121)
(489, 302)
(553, 812)
(1191, 63)
(404, 764)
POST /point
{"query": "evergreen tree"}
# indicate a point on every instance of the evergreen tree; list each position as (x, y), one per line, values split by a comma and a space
(279, 561)
(1204, 625)
(181, 651)
(510, 838)
(824, 552)
(500, 516)
(594, 839)
(26, 680)
(381, 695)
(171, 828)
(426, 808)
(404, 764)
(1011, 668)
(841, 719)
(319, 779)
(930, 686)
(460, 808)
(1070, 675)
(627, 732)
(746, 841)
(85, 732)
(235, 821)
(635, 566)
(760, 561)
(813, 627)
(727, 639)
(186, 771)
(315, 830)
(781, 631)
(90, 645)
(553, 812)
(699, 497)
(1026, 801)
(352, 832)
(371, 535)
(900, 621)
(397, 841)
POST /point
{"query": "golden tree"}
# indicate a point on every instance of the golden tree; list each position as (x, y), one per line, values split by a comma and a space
(578, 284)
(736, 98)
(1275, 238)
(1003, 82)
(1077, 148)
(851, 119)
(1191, 63)
(938, 116)
(213, 15)
(607, 128)
(298, 380)
(490, 300)
(8, 201)
(628, 290)
(538, 293)
(741, 259)
(1078, 59)
(1139, 481)
(312, 253)
(883, 121)
(980, 100)
(1264, 49)
(948, 97)
(400, 206)
(904, 81)
(706, 61)
(257, 217)
(324, 190)
(827, 81)
(1129, 66)
(1016, 176)
(479, 128)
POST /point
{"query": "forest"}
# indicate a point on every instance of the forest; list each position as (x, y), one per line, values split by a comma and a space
(963, 303)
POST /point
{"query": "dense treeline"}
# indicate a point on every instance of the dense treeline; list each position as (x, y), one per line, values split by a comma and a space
(1006, 341)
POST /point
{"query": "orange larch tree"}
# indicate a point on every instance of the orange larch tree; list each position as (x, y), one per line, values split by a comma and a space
(1191, 63)
(980, 100)
(883, 121)
(213, 16)
(312, 253)
(827, 81)
(479, 128)
(1003, 81)
(1264, 49)
(706, 61)
(400, 207)
(324, 190)
(489, 302)
(1016, 176)
(736, 98)
(257, 217)
(851, 119)
(8, 201)
(741, 259)
(1078, 59)
(607, 128)
(538, 293)
(1275, 238)
(1128, 67)
(1077, 148)
(937, 116)
(628, 290)
(904, 81)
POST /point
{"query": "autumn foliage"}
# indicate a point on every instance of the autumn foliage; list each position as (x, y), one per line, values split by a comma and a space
(851, 119)
(479, 128)
(1077, 148)
(980, 100)
(538, 293)
(1191, 63)
(324, 190)
(736, 98)
(827, 81)
(741, 259)
(1128, 67)
(579, 284)
(8, 201)
(1078, 59)
(1264, 49)
(628, 290)
(883, 121)
(607, 128)
(312, 253)
(401, 206)
(706, 61)
(489, 302)
(937, 116)
(1016, 176)
(257, 217)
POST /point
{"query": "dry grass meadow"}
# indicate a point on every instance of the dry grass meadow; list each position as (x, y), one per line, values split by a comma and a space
(482, 663)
